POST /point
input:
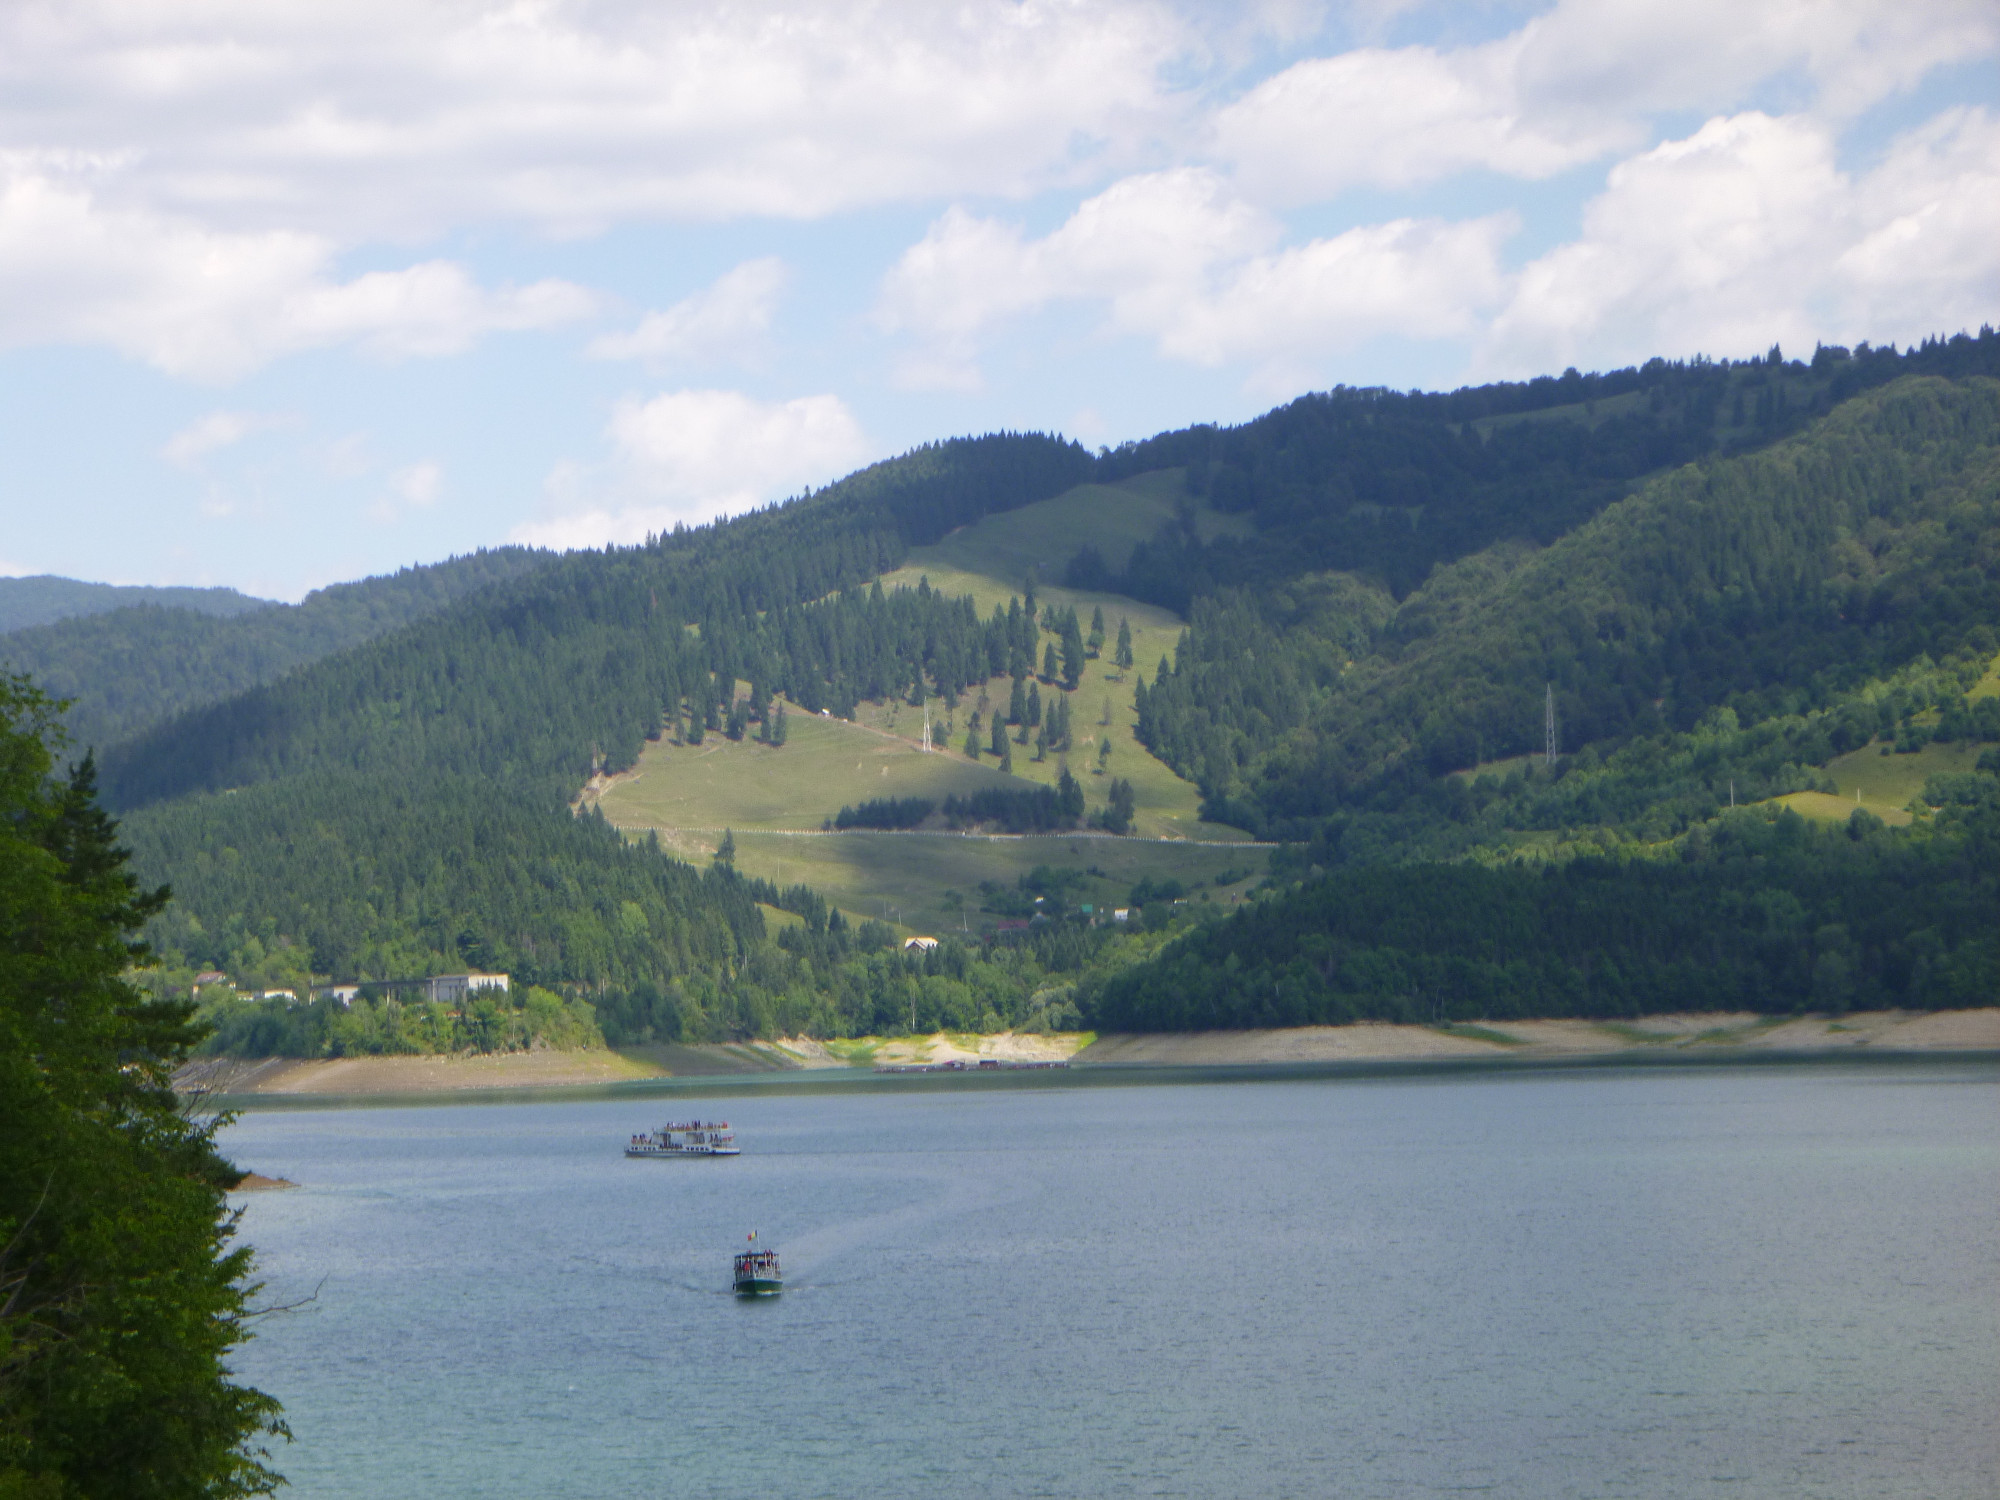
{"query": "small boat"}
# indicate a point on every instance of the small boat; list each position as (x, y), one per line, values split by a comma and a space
(756, 1271)
(693, 1138)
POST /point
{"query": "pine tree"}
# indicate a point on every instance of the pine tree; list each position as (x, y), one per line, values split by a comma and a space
(725, 852)
(1006, 757)
(1034, 704)
(1069, 797)
(1103, 754)
(1118, 812)
(1017, 702)
(971, 743)
(1095, 645)
(1050, 671)
(776, 724)
(1073, 657)
(999, 738)
(1124, 653)
(123, 1296)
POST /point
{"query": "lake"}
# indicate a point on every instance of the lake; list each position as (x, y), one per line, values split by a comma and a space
(1731, 1281)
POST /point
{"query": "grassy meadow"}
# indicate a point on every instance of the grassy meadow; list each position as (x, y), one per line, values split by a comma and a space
(825, 764)
(1883, 783)
(907, 879)
(990, 561)
(771, 797)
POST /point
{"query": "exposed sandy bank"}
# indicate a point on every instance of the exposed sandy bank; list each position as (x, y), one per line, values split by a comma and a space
(552, 1069)
(1945, 1031)
(257, 1182)
(412, 1075)
(1721, 1033)
(1005, 1046)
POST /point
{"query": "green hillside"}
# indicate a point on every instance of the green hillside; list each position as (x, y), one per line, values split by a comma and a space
(824, 764)
(688, 794)
(44, 599)
(1732, 574)
(1769, 583)
(152, 654)
(1045, 537)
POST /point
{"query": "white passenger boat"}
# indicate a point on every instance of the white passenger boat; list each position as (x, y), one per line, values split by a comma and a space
(695, 1138)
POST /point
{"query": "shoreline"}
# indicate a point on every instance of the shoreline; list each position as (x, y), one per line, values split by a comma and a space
(1371, 1048)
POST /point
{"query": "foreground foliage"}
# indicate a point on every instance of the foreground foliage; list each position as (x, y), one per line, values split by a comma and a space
(120, 1293)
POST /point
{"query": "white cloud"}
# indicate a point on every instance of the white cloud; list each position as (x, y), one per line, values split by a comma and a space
(727, 321)
(1748, 232)
(218, 430)
(417, 485)
(690, 456)
(1175, 257)
(1416, 278)
(214, 306)
(1928, 220)
(1573, 85)
(414, 487)
(365, 118)
(1705, 55)
(1399, 118)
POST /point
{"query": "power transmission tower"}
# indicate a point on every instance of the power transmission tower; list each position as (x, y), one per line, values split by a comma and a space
(1549, 726)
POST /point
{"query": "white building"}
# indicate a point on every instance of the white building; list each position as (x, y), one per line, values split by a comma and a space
(450, 989)
(921, 944)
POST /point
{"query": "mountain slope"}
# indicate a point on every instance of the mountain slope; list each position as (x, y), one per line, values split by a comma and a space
(1770, 916)
(572, 669)
(44, 599)
(142, 662)
(1540, 544)
(1767, 583)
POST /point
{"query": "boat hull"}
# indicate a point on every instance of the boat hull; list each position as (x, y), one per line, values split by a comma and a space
(649, 1151)
(759, 1286)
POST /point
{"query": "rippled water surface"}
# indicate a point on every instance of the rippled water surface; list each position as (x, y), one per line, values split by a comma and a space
(1737, 1282)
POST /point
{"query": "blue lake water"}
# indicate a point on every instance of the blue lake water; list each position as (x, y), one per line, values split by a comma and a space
(1730, 1282)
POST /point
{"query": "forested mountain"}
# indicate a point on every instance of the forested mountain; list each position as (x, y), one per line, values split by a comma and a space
(44, 599)
(572, 670)
(1392, 484)
(1769, 583)
(147, 658)
(1725, 573)
(1766, 915)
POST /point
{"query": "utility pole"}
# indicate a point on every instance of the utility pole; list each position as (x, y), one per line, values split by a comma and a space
(1549, 726)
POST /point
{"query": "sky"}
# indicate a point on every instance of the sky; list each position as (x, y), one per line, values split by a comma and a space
(292, 294)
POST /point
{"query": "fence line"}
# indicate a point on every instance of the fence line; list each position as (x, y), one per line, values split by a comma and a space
(941, 833)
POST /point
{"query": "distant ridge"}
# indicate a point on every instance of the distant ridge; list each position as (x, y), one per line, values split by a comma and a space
(143, 660)
(45, 599)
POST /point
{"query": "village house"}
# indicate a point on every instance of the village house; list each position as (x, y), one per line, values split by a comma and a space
(451, 989)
